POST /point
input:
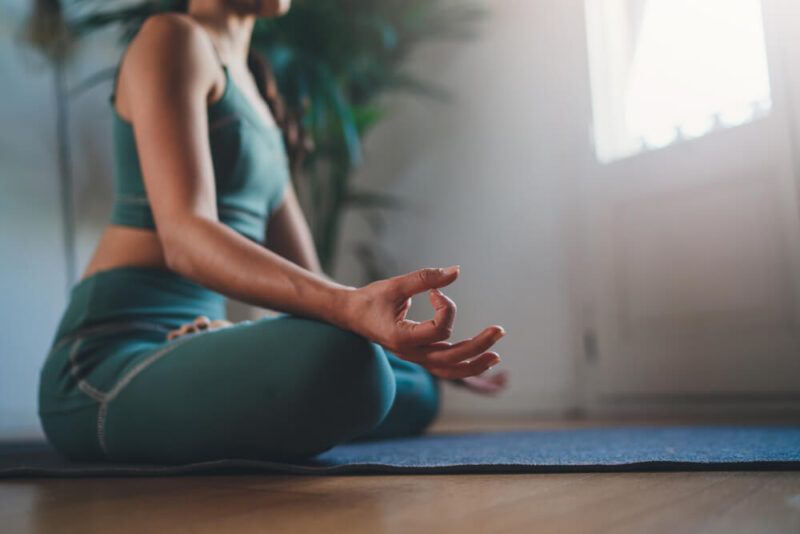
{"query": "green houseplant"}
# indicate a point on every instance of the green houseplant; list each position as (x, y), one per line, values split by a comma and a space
(333, 60)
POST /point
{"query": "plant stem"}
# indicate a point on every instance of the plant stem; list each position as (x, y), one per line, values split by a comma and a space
(65, 168)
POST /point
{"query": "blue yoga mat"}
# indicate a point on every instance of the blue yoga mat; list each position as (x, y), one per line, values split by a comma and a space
(598, 449)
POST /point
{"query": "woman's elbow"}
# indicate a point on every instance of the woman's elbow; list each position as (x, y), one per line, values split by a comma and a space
(173, 245)
(176, 259)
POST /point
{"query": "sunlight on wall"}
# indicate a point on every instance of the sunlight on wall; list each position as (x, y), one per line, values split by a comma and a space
(670, 70)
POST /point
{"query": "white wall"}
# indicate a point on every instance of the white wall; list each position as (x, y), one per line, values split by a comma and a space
(32, 273)
(498, 179)
(491, 179)
(32, 269)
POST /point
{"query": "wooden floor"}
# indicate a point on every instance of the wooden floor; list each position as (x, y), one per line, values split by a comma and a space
(724, 502)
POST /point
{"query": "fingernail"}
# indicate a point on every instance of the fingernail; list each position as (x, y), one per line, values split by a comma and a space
(452, 269)
(499, 333)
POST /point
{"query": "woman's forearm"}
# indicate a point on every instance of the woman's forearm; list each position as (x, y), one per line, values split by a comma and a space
(221, 259)
(214, 255)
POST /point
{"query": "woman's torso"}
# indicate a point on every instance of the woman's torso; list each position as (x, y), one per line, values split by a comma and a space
(250, 173)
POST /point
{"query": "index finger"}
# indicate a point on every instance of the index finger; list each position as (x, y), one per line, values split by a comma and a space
(429, 278)
(437, 329)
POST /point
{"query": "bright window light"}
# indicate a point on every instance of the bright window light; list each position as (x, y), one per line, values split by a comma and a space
(669, 70)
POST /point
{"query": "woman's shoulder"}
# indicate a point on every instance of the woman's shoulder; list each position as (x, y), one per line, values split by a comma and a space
(171, 24)
(167, 38)
(170, 54)
(169, 46)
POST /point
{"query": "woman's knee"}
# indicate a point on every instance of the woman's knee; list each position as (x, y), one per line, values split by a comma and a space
(357, 379)
(332, 385)
(416, 403)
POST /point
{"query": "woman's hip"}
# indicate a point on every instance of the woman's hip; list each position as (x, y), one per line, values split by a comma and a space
(134, 296)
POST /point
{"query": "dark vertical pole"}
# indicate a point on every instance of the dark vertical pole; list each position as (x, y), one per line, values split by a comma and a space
(65, 168)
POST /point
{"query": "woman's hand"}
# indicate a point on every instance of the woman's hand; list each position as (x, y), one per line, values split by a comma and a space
(201, 322)
(378, 312)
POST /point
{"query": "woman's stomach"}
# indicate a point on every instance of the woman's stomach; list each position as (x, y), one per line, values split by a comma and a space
(123, 246)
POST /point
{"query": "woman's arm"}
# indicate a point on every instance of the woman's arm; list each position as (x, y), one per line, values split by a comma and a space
(289, 236)
(172, 69)
(172, 72)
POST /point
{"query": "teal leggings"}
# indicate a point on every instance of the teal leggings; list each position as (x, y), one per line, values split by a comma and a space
(276, 388)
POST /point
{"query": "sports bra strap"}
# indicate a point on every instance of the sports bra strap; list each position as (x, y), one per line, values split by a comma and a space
(213, 45)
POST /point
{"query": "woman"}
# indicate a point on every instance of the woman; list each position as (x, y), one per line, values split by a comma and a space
(143, 365)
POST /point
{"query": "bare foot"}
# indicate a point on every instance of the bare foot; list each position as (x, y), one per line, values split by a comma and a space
(486, 384)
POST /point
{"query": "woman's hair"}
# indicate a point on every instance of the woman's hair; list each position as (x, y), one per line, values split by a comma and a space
(298, 142)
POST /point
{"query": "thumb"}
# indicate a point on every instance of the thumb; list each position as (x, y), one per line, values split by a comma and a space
(428, 278)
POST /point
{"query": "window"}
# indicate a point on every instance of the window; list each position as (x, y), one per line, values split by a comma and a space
(669, 70)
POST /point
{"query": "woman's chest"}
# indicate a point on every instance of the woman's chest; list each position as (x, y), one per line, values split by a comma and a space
(250, 164)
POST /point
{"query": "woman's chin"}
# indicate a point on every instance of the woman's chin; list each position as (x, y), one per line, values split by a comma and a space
(275, 8)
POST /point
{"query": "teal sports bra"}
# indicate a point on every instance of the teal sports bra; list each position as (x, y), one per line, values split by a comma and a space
(251, 167)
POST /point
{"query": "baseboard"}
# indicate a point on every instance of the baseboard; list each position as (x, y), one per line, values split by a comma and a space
(743, 404)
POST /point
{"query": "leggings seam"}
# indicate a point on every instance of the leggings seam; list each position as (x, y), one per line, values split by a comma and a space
(102, 413)
(74, 369)
(79, 337)
(105, 327)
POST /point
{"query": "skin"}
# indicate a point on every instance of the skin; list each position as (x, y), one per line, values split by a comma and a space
(169, 76)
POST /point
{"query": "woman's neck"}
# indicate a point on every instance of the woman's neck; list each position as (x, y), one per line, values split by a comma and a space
(231, 30)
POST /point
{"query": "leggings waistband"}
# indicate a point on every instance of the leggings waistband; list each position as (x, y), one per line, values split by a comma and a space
(137, 294)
